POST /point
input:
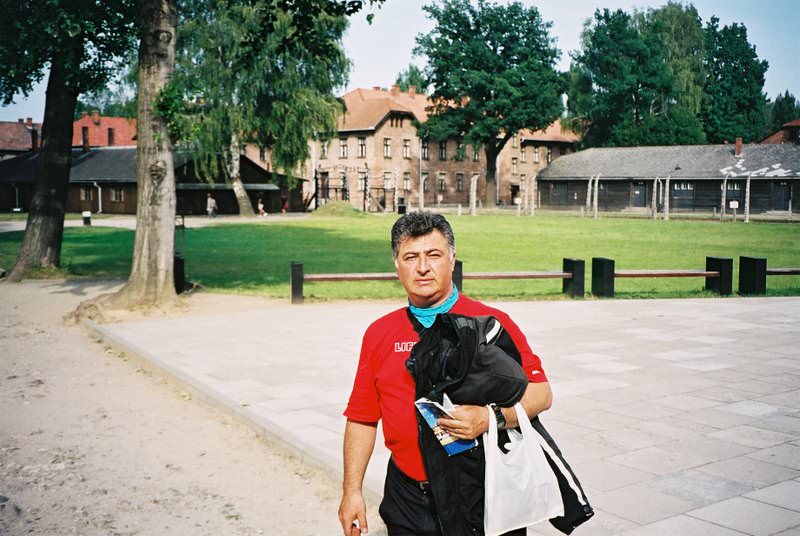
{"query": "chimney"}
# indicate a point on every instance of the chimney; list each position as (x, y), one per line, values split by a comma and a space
(376, 88)
(85, 138)
(412, 90)
(395, 91)
(20, 121)
(738, 147)
(29, 121)
(84, 114)
(96, 117)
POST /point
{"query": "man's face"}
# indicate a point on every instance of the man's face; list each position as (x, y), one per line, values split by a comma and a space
(425, 268)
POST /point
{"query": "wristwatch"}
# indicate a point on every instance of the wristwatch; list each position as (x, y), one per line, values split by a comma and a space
(498, 413)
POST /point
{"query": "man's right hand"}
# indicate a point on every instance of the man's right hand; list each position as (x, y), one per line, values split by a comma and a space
(351, 510)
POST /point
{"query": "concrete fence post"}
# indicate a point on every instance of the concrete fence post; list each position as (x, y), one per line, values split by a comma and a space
(575, 286)
(752, 275)
(603, 277)
(724, 283)
(297, 282)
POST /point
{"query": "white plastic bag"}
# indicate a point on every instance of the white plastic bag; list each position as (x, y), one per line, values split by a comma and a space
(520, 489)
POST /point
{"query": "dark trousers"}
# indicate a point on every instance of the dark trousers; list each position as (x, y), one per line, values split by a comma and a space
(407, 508)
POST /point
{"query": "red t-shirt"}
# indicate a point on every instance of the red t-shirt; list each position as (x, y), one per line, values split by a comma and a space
(384, 390)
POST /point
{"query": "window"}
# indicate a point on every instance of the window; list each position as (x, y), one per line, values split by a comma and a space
(476, 155)
(459, 182)
(535, 154)
(442, 182)
(549, 154)
(406, 148)
(387, 180)
(522, 184)
(515, 141)
(342, 147)
(362, 147)
(406, 181)
(424, 182)
(86, 193)
(387, 147)
(513, 166)
(683, 189)
(362, 181)
(734, 186)
(117, 194)
(110, 136)
(424, 149)
(442, 150)
(325, 145)
(523, 154)
(460, 150)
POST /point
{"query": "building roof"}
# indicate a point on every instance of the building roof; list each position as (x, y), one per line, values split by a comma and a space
(792, 123)
(555, 132)
(366, 109)
(102, 164)
(98, 126)
(15, 136)
(678, 162)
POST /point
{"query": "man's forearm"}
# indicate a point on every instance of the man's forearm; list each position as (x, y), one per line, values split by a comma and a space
(537, 398)
(359, 442)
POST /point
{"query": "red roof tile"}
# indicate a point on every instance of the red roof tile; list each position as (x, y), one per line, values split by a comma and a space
(367, 108)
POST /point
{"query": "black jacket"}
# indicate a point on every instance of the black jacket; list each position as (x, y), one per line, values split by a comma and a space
(476, 363)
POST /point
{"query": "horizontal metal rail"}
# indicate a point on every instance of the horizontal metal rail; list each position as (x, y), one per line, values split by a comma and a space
(783, 271)
(665, 273)
(517, 275)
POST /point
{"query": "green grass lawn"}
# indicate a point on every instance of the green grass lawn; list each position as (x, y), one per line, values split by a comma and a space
(255, 258)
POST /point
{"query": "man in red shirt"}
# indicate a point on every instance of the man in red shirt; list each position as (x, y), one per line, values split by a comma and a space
(423, 248)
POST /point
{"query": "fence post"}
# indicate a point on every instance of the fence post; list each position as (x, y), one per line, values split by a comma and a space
(458, 275)
(724, 283)
(752, 275)
(575, 286)
(603, 277)
(297, 282)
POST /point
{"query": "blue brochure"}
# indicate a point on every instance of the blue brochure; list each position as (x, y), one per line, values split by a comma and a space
(431, 411)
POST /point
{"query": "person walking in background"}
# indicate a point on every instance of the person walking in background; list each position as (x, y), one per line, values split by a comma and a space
(211, 206)
(260, 205)
(418, 496)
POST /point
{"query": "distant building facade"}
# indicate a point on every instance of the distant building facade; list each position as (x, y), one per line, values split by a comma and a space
(788, 133)
(377, 162)
(95, 130)
(682, 178)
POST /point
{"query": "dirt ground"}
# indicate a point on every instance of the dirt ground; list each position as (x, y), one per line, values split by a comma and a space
(92, 444)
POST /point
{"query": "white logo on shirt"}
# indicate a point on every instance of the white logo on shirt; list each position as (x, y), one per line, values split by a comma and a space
(404, 346)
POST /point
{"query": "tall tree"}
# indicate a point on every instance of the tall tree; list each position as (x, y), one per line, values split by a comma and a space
(150, 283)
(82, 42)
(413, 76)
(733, 101)
(274, 90)
(625, 70)
(493, 71)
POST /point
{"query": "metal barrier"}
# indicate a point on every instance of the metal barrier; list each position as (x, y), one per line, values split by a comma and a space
(718, 275)
(572, 275)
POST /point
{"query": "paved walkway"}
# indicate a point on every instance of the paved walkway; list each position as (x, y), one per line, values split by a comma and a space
(680, 417)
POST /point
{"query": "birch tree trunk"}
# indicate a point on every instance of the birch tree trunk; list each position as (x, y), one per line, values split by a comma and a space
(595, 202)
(235, 174)
(534, 187)
(724, 200)
(666, 198)
(654, 199)
(473, 194)
(747, 201)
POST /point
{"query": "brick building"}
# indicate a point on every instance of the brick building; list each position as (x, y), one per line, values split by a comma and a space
(788, 133)
(95, 130)
(376, 159)
(18, 137)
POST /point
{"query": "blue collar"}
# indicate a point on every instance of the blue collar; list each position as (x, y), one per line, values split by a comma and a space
(427, 315)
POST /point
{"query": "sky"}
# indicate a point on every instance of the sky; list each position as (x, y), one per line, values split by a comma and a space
(383, 49)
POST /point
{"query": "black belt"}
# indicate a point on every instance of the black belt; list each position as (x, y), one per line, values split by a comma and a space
(424, 486)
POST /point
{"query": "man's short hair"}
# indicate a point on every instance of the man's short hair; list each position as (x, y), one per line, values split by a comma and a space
(415, 224)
